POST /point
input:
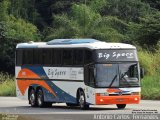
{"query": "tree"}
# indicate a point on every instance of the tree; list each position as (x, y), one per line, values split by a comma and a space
(2, 30)
(84, 22)
(22, 30)
(129, 10)
(149, 32)
(3, 10)
(153, 3)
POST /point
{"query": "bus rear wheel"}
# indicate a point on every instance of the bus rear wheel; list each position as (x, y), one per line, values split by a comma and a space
(121, 106)
(40, 99)
(82, 100)
(32, 98)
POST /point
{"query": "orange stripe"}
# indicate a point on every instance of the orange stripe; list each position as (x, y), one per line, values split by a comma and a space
(26, 73)
(113, 90)
(24, 84)
(125, 99)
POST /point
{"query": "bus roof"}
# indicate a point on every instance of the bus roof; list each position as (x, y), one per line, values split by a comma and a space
(76, 43)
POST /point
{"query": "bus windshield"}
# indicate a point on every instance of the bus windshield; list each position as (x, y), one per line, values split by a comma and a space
(117, 75)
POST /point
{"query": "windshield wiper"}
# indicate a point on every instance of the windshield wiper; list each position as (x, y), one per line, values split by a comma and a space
(113, 80)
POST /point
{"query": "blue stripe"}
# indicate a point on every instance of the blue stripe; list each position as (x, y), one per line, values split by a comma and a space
(37, 70)
(62, 96)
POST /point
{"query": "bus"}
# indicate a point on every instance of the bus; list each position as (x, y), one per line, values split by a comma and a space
(78, 72)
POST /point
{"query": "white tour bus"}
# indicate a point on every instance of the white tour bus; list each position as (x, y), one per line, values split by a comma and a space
(78, 72)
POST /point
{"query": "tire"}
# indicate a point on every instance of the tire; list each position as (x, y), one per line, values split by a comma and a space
(40, 99)
(47, 104)
(71, 104)
(82, 100)
(32, 98)
(121, 106)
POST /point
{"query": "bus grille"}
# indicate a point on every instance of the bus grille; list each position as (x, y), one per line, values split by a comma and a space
(118, 94)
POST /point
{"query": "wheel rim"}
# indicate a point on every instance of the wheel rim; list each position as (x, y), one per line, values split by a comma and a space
(39, 98)
(81, 100)
(32, 98)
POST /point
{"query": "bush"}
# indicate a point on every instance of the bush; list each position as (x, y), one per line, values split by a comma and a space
(7, 85)
(150, 62)
(150, 87)
(151, 82)
(22, 30)
(7, 54)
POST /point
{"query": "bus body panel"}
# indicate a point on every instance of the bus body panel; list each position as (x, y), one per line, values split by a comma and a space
(55, 90)
(65, 91)
(90, 95)
(60, 84)
(69, 90)
(117, 96)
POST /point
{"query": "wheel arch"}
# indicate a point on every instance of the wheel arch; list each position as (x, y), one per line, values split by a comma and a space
(77, 93)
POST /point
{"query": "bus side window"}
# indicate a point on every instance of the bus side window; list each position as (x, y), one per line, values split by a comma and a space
(57, 57)
(88, 57)
(53, 57)
(28, 56)
(19, 55)
(36, 56)
(78, 57)
(67, 57)
(47, 56)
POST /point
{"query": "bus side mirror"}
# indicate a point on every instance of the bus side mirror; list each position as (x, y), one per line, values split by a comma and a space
(141, 72)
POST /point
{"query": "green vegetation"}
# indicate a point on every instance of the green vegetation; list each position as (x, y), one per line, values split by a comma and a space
(7, 85)
(135, 22)
(151, 82)
(150, 87)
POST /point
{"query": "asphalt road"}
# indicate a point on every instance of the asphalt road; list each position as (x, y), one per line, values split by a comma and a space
(13, 105)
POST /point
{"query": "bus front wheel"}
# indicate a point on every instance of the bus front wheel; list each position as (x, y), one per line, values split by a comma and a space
(121, 106)
(32, 98)
(82, 100)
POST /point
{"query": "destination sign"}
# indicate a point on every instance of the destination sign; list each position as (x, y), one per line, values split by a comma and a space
(116, 55)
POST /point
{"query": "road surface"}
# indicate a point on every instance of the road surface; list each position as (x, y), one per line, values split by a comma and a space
(13, 105)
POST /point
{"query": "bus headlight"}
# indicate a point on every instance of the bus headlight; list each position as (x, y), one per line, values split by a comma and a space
(135, 99)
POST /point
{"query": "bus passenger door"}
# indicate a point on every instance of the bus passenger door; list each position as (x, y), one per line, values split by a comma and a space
(89, 80)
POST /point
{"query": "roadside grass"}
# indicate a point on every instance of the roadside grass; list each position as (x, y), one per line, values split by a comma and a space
(151, 87)
(7, 85)
(150, 62)
(151, 82)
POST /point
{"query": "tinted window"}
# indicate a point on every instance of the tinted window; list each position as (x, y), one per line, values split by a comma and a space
(53, 56)
(47, 56)
(37, 56)
(57, 57)
(88, 57)
(67, 57)
(19, 54)
(89, 77)
(28, 56)
(78, 57)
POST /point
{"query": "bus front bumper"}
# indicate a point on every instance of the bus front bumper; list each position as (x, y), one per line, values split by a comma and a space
(124, 99)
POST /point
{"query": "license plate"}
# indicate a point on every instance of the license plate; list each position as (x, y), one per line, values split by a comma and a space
(120, 100)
